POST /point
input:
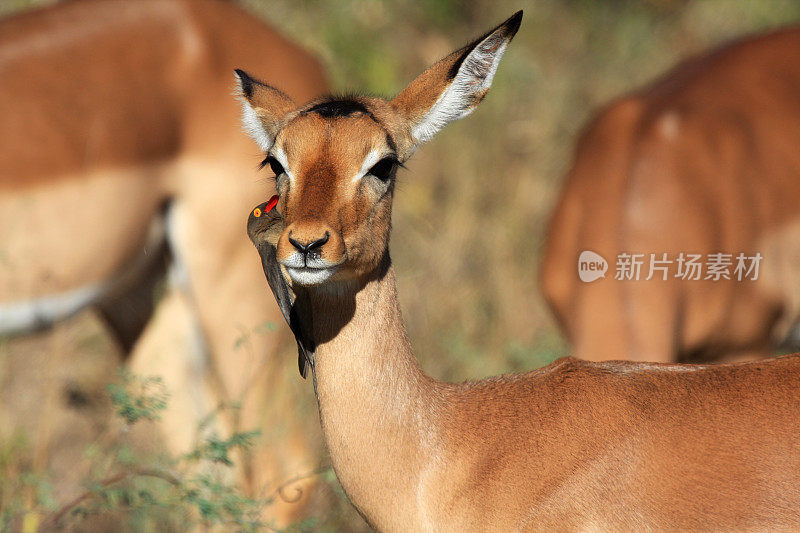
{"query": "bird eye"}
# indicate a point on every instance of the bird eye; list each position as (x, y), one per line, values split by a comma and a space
(384, 168)
(276, 167)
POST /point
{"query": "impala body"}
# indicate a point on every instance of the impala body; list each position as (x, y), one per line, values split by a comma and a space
(114, 113)
(704, 160)
(574, 446)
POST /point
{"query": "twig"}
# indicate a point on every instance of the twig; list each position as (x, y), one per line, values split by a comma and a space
(298, 491)
(54, 518)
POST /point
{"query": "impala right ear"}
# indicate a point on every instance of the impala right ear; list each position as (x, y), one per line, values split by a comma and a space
(455, 85)
(263, 107)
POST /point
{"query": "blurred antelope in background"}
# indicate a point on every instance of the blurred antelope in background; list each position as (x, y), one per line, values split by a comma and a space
(118, 124)
(702, 161)
(573, 446)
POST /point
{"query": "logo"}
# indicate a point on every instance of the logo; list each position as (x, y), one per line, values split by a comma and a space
(717, 266)
(591, 266)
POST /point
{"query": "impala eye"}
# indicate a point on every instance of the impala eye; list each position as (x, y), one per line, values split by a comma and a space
(384, 168)
(276, 167)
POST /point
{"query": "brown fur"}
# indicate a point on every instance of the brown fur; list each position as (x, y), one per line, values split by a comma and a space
(574, 446)
(102, 131)
(704, 160)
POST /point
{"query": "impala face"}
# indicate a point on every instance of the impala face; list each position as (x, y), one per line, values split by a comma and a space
(335, 167)
(335, 160)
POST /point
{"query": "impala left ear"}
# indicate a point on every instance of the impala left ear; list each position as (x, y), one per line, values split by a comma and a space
(455, 85)
(263, 107)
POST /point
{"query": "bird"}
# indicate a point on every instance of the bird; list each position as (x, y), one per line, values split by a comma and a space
(264, 227)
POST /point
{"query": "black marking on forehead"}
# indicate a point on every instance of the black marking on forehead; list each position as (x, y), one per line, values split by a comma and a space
(345, 107)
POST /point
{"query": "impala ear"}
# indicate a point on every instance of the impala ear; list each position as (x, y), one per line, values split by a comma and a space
(263, 107)
(452, 87)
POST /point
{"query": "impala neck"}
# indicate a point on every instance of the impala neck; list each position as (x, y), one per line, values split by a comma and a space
(375, 402)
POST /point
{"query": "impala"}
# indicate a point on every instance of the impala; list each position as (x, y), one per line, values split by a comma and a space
(574, 446)
(703, 161)
(114, 114)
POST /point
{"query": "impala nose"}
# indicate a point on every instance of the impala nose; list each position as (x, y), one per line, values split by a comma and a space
(310, 247)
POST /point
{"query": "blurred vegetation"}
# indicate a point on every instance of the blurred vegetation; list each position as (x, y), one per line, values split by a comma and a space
(80, 453)
(131, 490)
(473, 206)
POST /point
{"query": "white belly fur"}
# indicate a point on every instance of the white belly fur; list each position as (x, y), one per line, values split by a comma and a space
(27, 316)
(33, 315)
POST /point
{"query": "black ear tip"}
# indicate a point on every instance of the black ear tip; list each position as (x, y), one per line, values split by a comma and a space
(513, 23)
(246, 81)
(242, 75)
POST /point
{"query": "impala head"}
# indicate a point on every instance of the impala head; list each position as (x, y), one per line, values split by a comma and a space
(335, 159)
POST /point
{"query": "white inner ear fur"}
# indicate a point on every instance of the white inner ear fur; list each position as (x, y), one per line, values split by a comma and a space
(474, 78)
(252, 125)
(372, 157)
